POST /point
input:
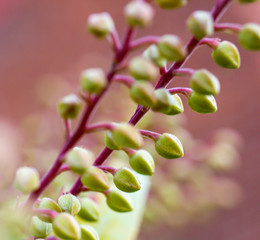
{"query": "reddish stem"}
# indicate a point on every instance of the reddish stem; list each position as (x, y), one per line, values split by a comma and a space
(127, 80)
(144, 41)
(99, 127)
(232, 27)
(108, 169)
(182, 90)
(149, 134)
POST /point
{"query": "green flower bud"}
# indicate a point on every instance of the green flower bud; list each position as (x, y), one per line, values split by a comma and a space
(89, 210)
(88, 233)
(40, 229)
(69, 106)
(142, 162)
(152, 53)
(249, 36)
(100, 24)
(201, 24)
(119, 201)
(172, 48)
(79, 159)
(126, 181)
(169, 146)
(171, 4)
(95, 179)
(204, 82)
(167, 103)
(202, 103)
(47, 203)
(110, 143)
(139, 14)
(66, 226)
(226, 55)
(93, 80)
(69, 203)
(247, 1)
(27, 179)
(143, 94)
(126, 135)
(142, 68)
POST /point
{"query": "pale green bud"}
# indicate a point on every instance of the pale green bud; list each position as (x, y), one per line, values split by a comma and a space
(202, 103)
(142, 69)
(88, 233)
(152, 53)
(201, 24)
(100, 24)
(171, 4)
(139, 14)
(169, 146)
(119, 201)
(40, 229)
(89, 210)
(249, 36)
(142, 162)
(27, 179)
(79, 159)
(93, 80)
(247, 1)
(172, 48)
(69, 106)
(69, 203)
(110, 143)
(66, 226)
(204, 82)
(95, 179)
(226, 55)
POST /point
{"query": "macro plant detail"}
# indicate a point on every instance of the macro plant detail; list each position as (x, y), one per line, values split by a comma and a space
(147, 76)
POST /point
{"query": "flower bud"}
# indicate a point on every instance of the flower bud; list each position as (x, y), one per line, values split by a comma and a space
(89, 210)
(95, 179)
(126, 181)
(226, 55)
(152, 53)
(93, 80)
(247, 1)
(88, 233)
(142, 69)
(110, 143)
(171, 4)
(100, 24)
(204, 82)
(27, 179)
(142, 162)
(249, 36)
(40, 229)
(126, 135)
(172, 48)
(139, 14)
(69, 106)
(169, 146)
(119, 201)
(66, 226)
(79, 159)
(143, 94)
(201, 24)
(69, 203)
(202, 103)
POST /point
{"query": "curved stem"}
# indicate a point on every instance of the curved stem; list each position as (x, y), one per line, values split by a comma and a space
(182, 90)
(127, 80)
(230, 27)
(211, 42)
(149, 134)
(184, 72)
(144, 41)
(108, 169)
(99, 127)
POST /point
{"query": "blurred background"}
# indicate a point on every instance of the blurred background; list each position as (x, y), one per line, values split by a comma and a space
(44, 47)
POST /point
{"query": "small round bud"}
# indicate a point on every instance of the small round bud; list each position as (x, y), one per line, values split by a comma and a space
(40, 229)
(201, 24)
(89, 210)
(143, 94)
(79, 159)
(126, 181)
(93, 80)
(95, 179)
(142, 162)
(27, 179)
(172, 48)
(204, 82)
(69, 203)
(66, 226)
(247, 1)
(226, 55)
(171, 4)
(152, 53)
(69, 106)
(142, 69)
(88, 233)
(119, 201)
(169, 146)
(110, 143)
(139, 14)
(249, 36)
(100, 24)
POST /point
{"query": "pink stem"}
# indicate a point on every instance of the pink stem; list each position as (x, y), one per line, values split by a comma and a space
(182, 90)
(108, 169)
(45, 212)
(67, 126)
(211, 42)
(99, 127)
(144, 41)
(228, 26)
(64, 168)
(184, 72)
(127, 80)
(149, 134)
(115, 40)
